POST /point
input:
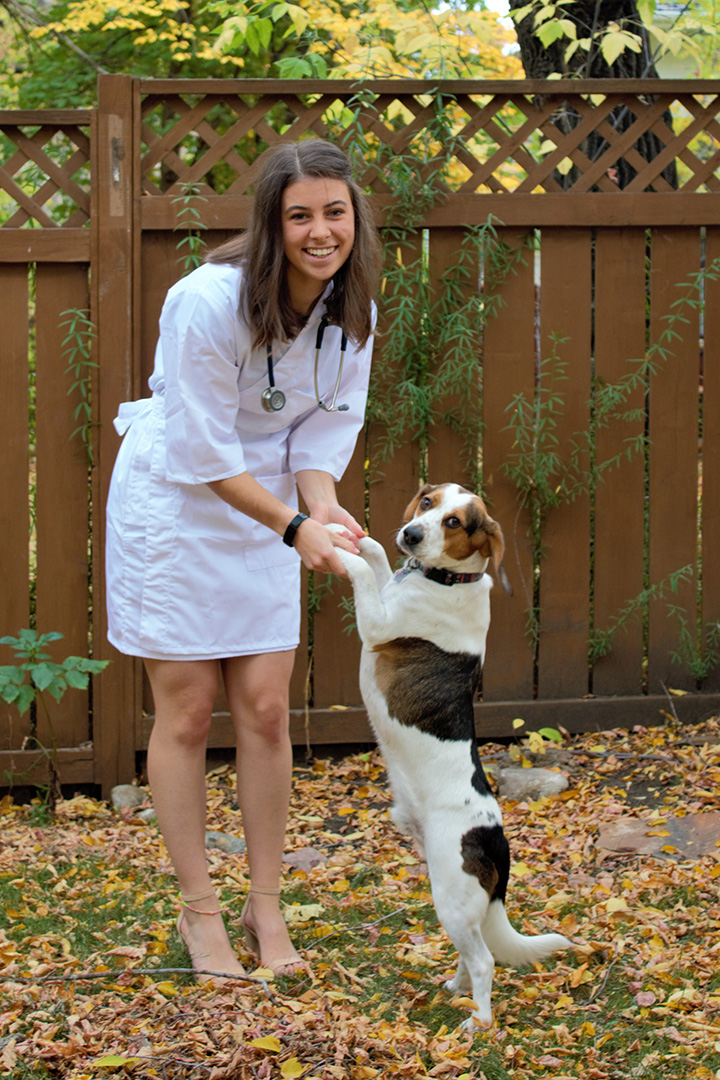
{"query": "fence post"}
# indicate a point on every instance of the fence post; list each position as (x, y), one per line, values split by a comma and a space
(116, 692)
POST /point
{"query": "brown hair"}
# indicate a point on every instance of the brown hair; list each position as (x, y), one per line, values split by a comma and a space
(264, 299)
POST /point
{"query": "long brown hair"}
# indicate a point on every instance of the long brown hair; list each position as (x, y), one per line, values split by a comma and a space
(264, 300)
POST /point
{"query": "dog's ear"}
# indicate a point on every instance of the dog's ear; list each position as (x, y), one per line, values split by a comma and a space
(413, 505)
(490, 542)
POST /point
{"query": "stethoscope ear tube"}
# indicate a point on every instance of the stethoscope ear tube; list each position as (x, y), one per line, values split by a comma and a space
(273, 400)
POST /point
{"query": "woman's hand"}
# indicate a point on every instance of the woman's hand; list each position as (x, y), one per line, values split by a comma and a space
(316, 545)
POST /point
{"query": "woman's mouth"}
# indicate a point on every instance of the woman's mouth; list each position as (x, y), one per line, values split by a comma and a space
(320, 253)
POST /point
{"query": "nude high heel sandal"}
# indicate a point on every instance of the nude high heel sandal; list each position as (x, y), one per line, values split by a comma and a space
(187, 902)
(286, 965)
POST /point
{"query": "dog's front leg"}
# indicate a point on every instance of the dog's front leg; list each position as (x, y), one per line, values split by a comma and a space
(373, 620)
(374, 554)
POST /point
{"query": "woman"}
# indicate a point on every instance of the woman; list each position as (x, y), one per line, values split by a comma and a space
(255, 390)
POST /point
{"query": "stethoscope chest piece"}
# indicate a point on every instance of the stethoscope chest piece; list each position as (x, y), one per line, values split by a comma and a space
(273, 400)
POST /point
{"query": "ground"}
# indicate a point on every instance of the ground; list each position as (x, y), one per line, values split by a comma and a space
(90, 987)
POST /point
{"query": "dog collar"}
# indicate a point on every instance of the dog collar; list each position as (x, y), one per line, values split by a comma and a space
(443, 577)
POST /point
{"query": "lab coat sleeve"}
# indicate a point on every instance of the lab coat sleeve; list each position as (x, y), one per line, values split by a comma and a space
(325, 441)
(199, 349)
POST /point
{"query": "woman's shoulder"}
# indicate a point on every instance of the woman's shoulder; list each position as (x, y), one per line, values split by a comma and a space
(218, 283)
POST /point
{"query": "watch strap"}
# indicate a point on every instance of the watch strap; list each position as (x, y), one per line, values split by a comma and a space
(289, 535)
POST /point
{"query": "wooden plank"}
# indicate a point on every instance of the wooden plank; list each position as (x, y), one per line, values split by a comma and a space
(62, 510)
(393, 480)
(526, 87)
(45, 245)
(336, 652)
(675, 255)
(620, 498)
(711, 451)
(492, 721)
(46, 117)
(116, 691)
(30, 766)
(509, 369)
(565, 310)
(14, 480)
(563, 209)
(449, 452)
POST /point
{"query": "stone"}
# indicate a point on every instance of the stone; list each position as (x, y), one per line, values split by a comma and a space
(127, 795)
(220, 841)
(148, 815)
(668, 838)
(520, 784)
(304, 858)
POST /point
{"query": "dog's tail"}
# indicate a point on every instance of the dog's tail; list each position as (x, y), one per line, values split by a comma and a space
(512, 949)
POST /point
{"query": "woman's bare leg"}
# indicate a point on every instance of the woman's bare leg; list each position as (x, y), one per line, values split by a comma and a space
(258, 690)
(184, 692)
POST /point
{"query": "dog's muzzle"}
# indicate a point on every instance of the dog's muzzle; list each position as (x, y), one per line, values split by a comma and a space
(411, 536)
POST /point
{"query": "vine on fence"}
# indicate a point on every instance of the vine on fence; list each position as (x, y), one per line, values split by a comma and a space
(77, 349)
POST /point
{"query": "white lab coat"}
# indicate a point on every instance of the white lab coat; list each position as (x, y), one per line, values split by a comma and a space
(188, 576)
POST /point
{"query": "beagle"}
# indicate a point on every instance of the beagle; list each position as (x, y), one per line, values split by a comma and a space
(423, 631)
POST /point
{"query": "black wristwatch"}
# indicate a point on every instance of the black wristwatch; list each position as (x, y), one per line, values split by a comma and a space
(289, 536)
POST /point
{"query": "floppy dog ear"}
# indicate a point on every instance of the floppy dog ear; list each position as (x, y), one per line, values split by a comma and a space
(490, 542)
(413, 505)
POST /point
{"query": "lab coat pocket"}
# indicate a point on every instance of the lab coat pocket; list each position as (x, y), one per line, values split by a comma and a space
(264, 549)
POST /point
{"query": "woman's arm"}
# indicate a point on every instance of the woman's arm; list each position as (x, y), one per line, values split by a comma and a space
(313, 543)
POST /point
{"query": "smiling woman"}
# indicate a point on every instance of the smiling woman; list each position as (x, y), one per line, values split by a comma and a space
(202, 578)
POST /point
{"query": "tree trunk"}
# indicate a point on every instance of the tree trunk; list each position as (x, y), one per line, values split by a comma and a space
(592, 17)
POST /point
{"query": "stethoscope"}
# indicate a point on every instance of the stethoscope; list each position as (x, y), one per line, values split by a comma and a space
(273, 400)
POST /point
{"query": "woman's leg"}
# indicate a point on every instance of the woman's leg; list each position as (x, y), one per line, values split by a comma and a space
(184, 692)
(257, 690)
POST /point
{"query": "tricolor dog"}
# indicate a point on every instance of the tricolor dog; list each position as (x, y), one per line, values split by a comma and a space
(423, 631)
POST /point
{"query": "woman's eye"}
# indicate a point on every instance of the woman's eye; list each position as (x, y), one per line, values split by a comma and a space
(453, 522)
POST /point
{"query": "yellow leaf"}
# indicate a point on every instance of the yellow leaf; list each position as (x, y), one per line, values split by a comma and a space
(263, 973)
(268, 1042)
(520, 869)
(167, 988)
(659, 832)
(518, 723)
(291, 1068)
(677, 693)
(114, 1059)
(669, 849)
(616, 903)
(465, 1002)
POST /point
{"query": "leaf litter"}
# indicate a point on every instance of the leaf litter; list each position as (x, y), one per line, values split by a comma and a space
(95, 983)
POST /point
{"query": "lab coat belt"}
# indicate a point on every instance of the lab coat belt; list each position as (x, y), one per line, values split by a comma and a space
(130, 411)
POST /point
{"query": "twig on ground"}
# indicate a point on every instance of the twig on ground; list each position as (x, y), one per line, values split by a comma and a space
(81, 976)
(362, 926)
(601, 987)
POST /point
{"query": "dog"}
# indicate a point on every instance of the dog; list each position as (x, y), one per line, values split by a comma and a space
(423, 631)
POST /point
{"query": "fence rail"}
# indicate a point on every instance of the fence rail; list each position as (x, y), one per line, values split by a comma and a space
(609, 192)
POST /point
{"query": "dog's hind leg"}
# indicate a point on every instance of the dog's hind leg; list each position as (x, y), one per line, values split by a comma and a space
(461, 904)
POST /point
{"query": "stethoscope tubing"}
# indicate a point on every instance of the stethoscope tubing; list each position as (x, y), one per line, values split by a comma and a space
(273, 399)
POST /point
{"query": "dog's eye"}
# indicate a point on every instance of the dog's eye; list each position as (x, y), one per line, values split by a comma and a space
(425, 503)
(453, 522)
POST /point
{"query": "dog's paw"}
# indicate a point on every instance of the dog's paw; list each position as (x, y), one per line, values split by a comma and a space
(371, 548)
(458, 984)
(475, 1022)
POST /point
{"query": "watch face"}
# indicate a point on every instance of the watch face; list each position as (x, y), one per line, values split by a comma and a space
(273, 400)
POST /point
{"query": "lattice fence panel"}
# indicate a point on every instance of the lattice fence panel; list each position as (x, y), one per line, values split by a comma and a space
(45, 171)
(502, 141)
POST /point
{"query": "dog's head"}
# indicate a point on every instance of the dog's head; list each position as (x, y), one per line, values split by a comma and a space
(448, 527)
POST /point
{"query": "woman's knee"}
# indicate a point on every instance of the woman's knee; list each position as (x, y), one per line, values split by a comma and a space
(184, 698)
(266, 716)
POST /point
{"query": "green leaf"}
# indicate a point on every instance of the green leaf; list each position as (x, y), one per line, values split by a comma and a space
(43, 674)
(550, 733)
(264, 29)
(551, 31)
(252, 38)
(77, 679)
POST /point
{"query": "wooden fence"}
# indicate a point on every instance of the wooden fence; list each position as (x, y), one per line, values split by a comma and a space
(91, 213)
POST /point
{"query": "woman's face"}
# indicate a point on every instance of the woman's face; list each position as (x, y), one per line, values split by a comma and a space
(318, 223)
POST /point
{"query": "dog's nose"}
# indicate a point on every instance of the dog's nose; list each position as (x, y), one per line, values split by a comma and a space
(412, 534)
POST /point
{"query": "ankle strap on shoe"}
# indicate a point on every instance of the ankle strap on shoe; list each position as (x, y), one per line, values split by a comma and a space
(264, 892)
(188, 901)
